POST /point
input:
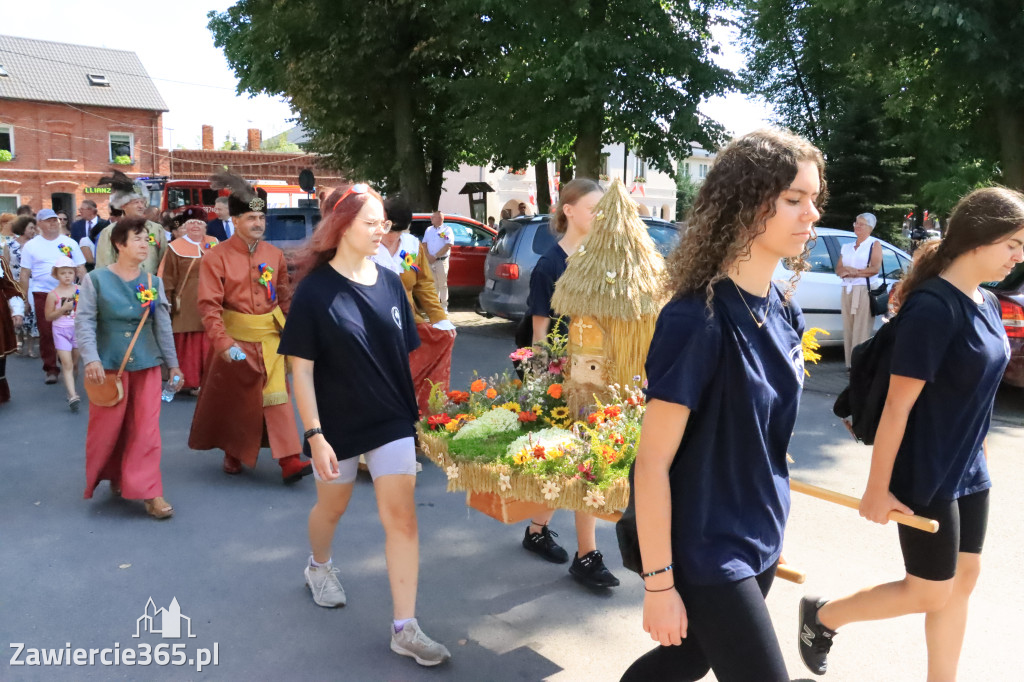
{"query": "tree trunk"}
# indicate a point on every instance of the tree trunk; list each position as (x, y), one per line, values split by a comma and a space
(1010, 120)
(412, 171)
(565, 169)
(435, 183)
(540, 173)
(589, 127)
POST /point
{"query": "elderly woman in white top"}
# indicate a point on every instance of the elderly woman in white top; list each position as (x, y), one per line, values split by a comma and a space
(859, 264)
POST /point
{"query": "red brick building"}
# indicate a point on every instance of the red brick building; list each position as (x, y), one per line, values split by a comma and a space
(67, 114)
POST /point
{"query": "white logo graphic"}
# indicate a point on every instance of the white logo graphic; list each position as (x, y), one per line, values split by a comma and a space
(396, 316)
(796, 357)
(807, 636)
(164, 622)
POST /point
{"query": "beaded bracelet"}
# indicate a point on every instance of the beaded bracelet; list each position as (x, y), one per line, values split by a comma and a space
(654, 573)
(664, 590)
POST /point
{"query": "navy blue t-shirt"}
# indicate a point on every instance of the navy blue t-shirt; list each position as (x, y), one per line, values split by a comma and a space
(960, 349)
(359, 338)
(546, 272)
(729, 478)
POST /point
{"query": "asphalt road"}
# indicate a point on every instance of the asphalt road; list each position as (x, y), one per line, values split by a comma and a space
(78, 574)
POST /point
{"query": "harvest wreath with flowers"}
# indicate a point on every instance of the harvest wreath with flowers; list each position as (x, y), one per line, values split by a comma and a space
(516, 437)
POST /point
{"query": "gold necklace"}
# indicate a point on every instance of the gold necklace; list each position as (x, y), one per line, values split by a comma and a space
(759, 323)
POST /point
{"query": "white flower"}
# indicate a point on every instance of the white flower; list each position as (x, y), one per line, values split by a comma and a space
(504, 483)
(594, 498)
(609, 276)
(550, 490)
(488, 424)
(553, 437)
(453, 471)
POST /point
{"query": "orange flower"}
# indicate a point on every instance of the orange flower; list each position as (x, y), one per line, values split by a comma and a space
(612, 411)
(491, 393)
(608, 454)
(527, 416)
(478, 385)
(555, 391)
(538, 452)
(517, 382)
(458, 397)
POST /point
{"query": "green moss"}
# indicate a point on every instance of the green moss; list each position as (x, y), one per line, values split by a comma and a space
(483, 449)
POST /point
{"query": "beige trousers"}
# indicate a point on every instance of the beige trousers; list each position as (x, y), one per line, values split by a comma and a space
(440, 270)
(858, 322)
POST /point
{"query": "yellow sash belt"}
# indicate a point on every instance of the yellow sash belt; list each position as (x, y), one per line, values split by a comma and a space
(266, 330)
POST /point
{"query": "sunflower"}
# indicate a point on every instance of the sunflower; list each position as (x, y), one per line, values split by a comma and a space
(560, 412)
(511, 407)
(522, 457)
(537, 410)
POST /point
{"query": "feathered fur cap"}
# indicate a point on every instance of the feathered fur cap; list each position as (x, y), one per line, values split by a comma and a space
(123, 189)
(242, 198)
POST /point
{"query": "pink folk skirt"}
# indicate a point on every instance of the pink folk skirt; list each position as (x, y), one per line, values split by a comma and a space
(122, 444)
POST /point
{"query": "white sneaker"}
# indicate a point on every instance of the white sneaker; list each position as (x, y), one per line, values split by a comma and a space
(411, 641)
(323, 582)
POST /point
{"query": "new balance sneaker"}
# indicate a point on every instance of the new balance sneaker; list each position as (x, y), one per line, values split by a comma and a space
(815, 638)
(323, 583)
(543, 544)
(411, 641)
(591, 571)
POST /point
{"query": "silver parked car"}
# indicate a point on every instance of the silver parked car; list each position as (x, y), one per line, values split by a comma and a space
(819, 290)
(519, 245)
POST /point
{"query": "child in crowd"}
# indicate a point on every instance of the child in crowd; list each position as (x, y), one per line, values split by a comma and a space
(61, 305)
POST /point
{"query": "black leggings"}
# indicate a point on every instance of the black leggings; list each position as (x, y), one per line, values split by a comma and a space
(729, 631)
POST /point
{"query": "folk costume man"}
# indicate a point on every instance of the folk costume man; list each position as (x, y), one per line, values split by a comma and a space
(244, 294)
(179, 271)
(131, 200)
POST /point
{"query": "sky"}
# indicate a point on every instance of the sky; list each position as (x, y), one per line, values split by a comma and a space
(193, 77)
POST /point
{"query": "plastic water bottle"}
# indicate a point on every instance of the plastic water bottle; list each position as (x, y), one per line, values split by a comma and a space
(167, 395)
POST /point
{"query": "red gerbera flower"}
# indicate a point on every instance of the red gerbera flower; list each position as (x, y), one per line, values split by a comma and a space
(437, 420)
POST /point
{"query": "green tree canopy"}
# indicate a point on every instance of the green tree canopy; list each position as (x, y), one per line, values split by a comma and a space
(399, 91)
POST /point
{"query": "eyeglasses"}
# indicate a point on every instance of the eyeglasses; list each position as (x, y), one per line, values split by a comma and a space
(383, 225)
(358, 188)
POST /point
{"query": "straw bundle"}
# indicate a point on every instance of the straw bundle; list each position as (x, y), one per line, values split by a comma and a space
(618, 272)
(617, 280)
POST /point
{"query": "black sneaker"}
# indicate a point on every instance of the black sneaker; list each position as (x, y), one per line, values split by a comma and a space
(815, 638)
(591, 571)
(543, 543)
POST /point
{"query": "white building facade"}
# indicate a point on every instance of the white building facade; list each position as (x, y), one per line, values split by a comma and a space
(653, 190)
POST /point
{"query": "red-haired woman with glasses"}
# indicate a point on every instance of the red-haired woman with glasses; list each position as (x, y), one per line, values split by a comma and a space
(349, 334)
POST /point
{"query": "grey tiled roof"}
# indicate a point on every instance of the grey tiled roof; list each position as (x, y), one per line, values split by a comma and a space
(46, 71)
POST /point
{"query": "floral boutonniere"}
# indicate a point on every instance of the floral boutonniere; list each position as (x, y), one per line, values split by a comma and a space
(408, 261)
(151, 238)
(147, 297)
(65, 249)
(267, 280)
(444, 233)
(75, 305)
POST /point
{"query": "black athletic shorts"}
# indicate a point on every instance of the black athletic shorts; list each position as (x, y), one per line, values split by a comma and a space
(962, 525)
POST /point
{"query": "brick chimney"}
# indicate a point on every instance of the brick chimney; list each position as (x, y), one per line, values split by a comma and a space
(255, 139)
(208, 137)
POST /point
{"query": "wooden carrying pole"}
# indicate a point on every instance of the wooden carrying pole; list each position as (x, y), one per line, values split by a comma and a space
(919, 522)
